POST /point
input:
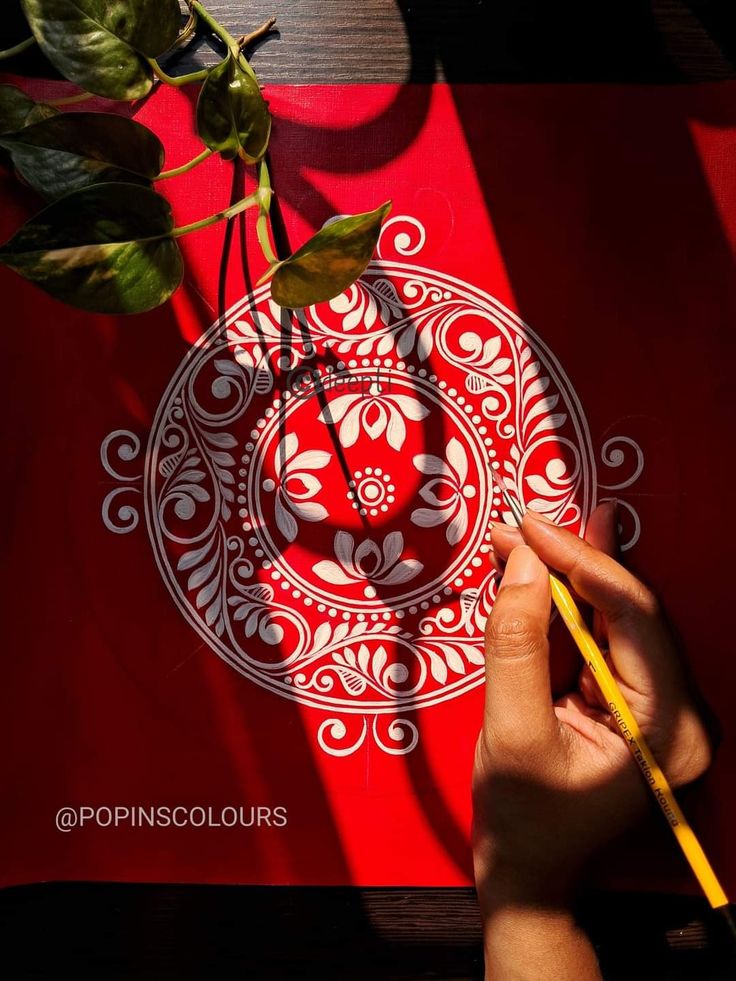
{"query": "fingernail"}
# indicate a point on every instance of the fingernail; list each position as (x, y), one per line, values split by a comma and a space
(495, 560)
(522, 567)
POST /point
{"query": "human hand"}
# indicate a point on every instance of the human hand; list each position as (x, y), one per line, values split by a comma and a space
(554, 781)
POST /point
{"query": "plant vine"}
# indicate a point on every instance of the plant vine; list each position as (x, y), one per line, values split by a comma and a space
(106, 240)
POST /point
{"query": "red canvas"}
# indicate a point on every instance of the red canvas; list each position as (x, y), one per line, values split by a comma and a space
(245, 556)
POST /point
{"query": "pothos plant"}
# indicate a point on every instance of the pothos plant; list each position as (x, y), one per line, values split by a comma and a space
(106, 241)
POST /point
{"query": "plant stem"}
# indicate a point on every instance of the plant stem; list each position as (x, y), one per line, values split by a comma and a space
(206, 17)
(177, 80)
(164, 175)
(224, 35)
(259, 32)
(265, 193)
(227, 214)
(18, 49)
(189, 28)
(70, 100)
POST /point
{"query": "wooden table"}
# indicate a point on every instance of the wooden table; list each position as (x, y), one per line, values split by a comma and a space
(110, 931)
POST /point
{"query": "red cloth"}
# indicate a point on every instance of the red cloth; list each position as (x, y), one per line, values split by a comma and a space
(602, 217)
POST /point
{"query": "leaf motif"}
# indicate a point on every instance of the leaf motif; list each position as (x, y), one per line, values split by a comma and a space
(251, 624)
(310, 511)
(213, 611)
(201, 575)
(106, 249)
(491, 348)
(548, 422)
(340, 633)
(540, 486)
(411, 407)
(402, 572)
(458, 459)
(539, 504)
(393, 545)
(77, 149)
(223, 460)
(428, 518)
(329, 262)
(425, 344)
(336, 408)
(190, 559)
(286, 523)
(227, 367)
(224, 440)
(321, 636)
(205, 595)
(194, 475)
(454, 661)
(331, 572)
(457, 527)
(429, 464)
(438, 667)
(286, 449)
(312, 460)
(474, 654)
(406, 341)
(101, 45)
(540, 407)
(195, 491)
(396, 430)
(536, 388)
(364, 656)
(379, 661)
(232, 115)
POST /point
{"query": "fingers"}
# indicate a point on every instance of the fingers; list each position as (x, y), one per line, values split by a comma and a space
(640, 644)
(518, 695)
(504, 538)
(601, 531)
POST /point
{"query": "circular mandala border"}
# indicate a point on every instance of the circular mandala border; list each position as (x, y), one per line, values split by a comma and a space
(491, 306)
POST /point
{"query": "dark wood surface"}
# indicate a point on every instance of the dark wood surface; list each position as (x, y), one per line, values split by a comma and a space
(488, 40)
(109, 931)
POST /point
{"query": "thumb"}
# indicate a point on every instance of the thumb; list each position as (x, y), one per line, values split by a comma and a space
(518, 708)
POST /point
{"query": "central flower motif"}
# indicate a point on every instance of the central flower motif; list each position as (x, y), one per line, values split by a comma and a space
(382, 566)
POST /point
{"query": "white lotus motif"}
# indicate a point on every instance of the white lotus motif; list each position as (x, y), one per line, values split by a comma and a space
(447, 492)
(296, 486)
(374, 413)
(380, 565)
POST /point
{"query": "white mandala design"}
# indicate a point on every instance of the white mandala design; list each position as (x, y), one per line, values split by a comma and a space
(317, 493)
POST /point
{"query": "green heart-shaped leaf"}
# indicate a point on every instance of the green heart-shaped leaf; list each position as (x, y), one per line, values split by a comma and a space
(106, 248)
(232, 115)
(101, 45)
(77, 149)
(18, 109)
(329, 262)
